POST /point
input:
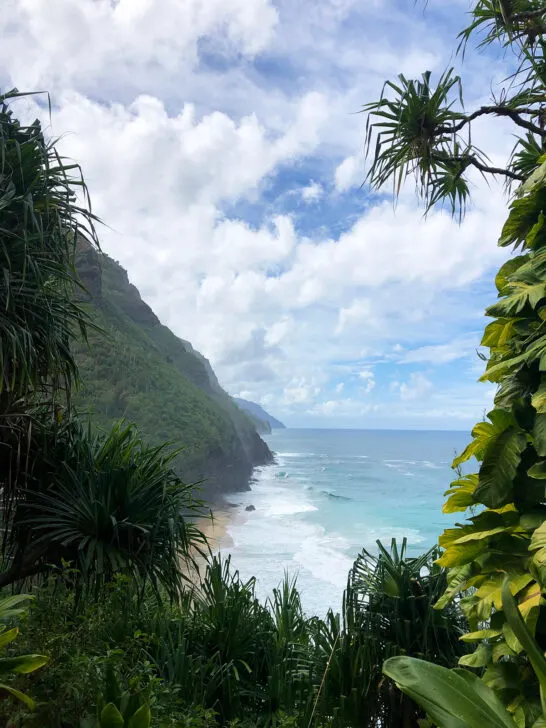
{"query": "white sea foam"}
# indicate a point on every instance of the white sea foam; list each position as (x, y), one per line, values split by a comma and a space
(295, 454)
(400, 462)
(302, 525)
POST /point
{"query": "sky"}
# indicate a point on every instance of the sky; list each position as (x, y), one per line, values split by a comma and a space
(223, 148)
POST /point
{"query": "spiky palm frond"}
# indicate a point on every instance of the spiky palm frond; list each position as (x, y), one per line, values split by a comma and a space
(505, 21)
(526, 155)
(388, 609)
(411, 125)
(40, 219)
(106, 503)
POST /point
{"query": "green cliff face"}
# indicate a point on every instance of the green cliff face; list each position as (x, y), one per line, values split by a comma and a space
(137, 369)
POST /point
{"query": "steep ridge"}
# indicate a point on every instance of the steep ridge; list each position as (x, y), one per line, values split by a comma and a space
(257, 412)
(139, 370)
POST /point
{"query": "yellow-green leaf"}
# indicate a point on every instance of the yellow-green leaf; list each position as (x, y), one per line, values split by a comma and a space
(481, 634)
(539, 434)
(538, 399)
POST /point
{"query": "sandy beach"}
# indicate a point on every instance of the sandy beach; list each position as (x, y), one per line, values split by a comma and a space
(215, 527)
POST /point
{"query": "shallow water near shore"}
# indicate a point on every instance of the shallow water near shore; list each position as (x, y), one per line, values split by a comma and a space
(329, 494)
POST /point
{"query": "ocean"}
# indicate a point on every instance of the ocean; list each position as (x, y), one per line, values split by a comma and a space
(331, 493)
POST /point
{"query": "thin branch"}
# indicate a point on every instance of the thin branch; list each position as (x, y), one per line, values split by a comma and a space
(527, 15)
(513, 114)
(471, 160)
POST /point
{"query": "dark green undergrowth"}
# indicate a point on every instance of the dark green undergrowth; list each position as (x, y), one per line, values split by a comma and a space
(221, 657)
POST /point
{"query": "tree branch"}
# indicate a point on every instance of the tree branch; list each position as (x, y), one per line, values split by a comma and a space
(18, 571)
(513, 114)
(471, 160)
(527, 15)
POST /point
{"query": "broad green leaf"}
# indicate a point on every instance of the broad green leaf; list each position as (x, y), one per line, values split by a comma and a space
(481, 634)
(529, 599)
(110, 717)
(538, 399)
(480, 535)
(498, 332)
(525, 638)
(473, 449)
(497, 370)
(538, 470)
(498, 468)
(532, 183)
(19, 695)
(491, 589)
(450, 699)
(9, 606)
(22, 664)
(538, 539)
(508, 269)
(523, 215)
(479, 658)
(511, 640)
(519, 296)
(9, 636)
(460, 554)
(457, 579)
(142, 718)
(539, 434)
(482, 433)
(460, 494)
(536, 234)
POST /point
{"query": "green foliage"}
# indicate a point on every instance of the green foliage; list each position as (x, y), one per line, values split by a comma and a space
(417, 129)
(506, 537)
(39, 220)
(388, 610)
(458, 698)
(39, 318)
(20, 664)
(106, 503)
(451, 698)
(220, 656)
(412, 138)
(502, 543)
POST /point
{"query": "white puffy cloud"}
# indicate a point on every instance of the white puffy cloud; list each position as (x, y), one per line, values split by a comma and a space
(417, 387)
(312, 193)
(459, 348)
(368, 379)
(99, 36)
(191, 161)
(349, 173)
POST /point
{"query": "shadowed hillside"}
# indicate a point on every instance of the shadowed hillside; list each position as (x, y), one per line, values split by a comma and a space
(139, 370)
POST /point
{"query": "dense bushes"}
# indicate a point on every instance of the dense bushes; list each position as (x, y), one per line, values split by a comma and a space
(220, 656)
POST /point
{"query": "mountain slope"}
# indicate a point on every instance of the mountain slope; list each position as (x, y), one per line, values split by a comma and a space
(138, 369)
(259, 413)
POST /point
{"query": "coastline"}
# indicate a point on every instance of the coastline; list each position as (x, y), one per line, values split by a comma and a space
(215, 527)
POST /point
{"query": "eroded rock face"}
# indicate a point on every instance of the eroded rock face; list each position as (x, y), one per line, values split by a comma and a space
(89, 270)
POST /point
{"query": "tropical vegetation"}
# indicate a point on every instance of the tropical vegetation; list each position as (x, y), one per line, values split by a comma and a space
(496, 558)
(128, 619)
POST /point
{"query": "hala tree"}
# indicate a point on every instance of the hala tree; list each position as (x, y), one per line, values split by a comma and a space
(105, 503)
(40, 220)
(420, 129)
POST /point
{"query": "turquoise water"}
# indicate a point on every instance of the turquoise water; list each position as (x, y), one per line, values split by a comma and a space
(332, 492)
